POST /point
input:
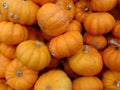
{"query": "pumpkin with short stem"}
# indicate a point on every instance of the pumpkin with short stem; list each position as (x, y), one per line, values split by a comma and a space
(82, 10)
(68, 6)
(86, 62)
(55, 79)
(20, 11)
(87, 83)
(20, 77)
(66, 44)
(99, 23)
(12, 34)
(111, 56)
(111, 80)
(97, 41)
(53, 22)
(103, 5)
(33, 54)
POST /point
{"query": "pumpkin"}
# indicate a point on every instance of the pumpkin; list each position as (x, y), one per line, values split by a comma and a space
(103, 5)
(8, 50)
(66, 44)
(53, 22)
(20, 11)
(4, 62)
(68, 6)
(97, 41)
(12, 33)
(87, 83)
(82, 10)
(75, 25)
(111, 80)
(17, 75)
(99, 23)
(111, 56)
(33, 54)
(86, 62)
(42, 2)
(55, 79)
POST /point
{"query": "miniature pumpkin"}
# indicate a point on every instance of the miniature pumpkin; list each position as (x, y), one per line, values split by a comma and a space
(53, 22)
(20, 11)
(86, 62)
(12, 34)
(87, 83)
(66, 44)
(97, 41)
(55, 79)
(111, 80)
(33, 54)
(99, 23)
(20, 77)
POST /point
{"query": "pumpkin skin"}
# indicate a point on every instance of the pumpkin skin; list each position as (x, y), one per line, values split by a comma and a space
(53, 80)
(87, 83)
(53, 22)
(4, 62)
(22, 13)
(68, 6)
(17, 75)
(33, 54)
(12, 34)
(86, 62)
(99, 23)
(66, 44)
(111, 80)
(82, 10)
(103, 5)
(99, 41)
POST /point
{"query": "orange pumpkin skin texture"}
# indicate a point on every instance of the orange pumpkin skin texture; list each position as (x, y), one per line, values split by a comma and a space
(111, 80)
(33, 54)
(99, 23)
(23, 13)
(8, 50)
(82, 10)
(86, 62)
(66, 44)
(53, 80)
(87, 83)
(68, 7)
(17, 75)
(99, 41)
(53, 22)
(4, 62)
(12, 34)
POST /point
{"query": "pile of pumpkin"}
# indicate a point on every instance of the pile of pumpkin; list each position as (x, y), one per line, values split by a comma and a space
(59, 44)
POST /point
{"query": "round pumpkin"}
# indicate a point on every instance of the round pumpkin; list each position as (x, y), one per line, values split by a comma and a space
(86, 62)
(20, 11)
(20, 77)
(12, 34)
(52, 19)
(55, 79)
(99, 23)
(66, 44)
(33, 54)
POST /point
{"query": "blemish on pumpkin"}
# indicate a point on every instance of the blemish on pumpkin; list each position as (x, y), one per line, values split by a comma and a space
(86, 49)
(5, 5)
(37, 44)
(11, 14)
(117, 83)
(48, 88)
(18, 73)
(68, 7)
(86, 9)
(15, 17)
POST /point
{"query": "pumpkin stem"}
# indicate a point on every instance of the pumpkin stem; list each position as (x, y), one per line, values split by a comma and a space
(86, 49)
(47, 88)
(37, 44)
(115, 43)
(68, 7)
(18, 73)
(86, 9)
(117, 82)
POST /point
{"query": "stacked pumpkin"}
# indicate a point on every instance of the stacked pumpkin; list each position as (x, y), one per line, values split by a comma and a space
(59, 45)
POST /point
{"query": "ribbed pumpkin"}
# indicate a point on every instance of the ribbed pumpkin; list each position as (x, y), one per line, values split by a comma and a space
(33, 54)
(52, 19)
(66, 44)
(11, 33)
(20, 11)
